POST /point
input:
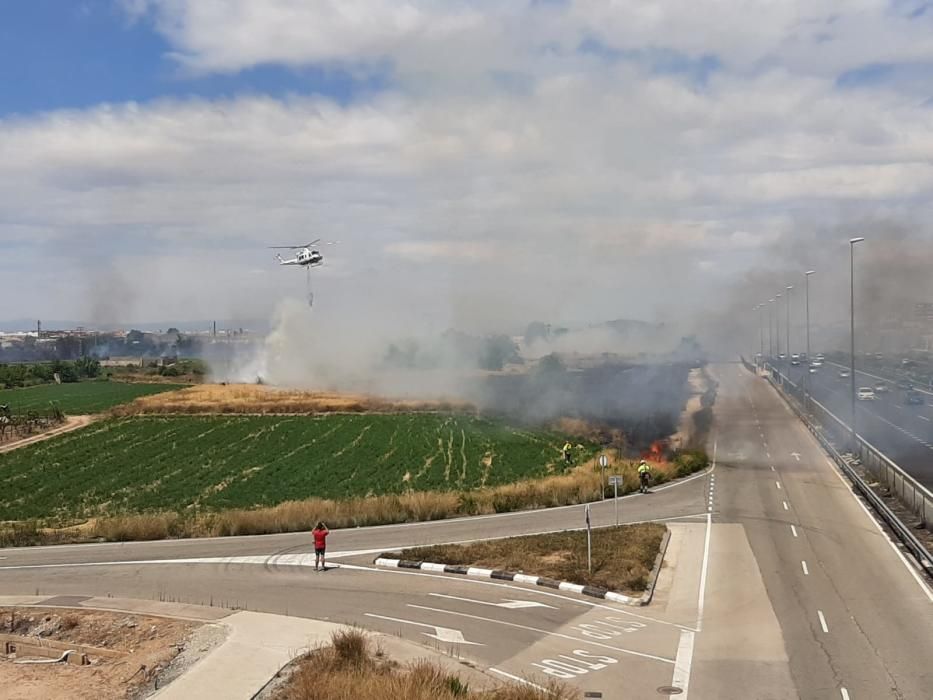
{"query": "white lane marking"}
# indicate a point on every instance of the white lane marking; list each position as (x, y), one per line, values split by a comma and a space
(778, 483)
(845, 693)
(923, 418)
(785, 504)
(806, 571)
(822, 621)
(794, 530)
(701, 595)
(772, 468)
(682, 663)
(544, 632)
(518, 679)
(442, 634)
(526, 591)
(795, 455)
(509, 603)
(769, 454)
(913, 572)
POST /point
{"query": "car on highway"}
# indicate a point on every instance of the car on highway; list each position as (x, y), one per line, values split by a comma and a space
(913, 398)
(865, 393)
(881, 388)
(816, 363)
(782, 356)
(844, 374)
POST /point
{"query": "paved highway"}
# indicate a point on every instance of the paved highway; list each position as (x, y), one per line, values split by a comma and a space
(904, 433)
(777, 583)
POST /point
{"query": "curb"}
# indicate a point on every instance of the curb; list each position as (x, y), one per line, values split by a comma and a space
(592, 591)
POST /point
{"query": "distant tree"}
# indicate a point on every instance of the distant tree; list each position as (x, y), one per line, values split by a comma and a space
(496, 352)
(537, 330)
(135, 336)
(551, 365)
(87, 367)
(173, 331)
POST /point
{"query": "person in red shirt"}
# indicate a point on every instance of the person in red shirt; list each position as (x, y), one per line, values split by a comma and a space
(320, 533)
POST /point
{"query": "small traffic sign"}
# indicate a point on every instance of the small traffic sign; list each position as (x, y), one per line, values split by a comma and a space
(603, 461)
(615, 480)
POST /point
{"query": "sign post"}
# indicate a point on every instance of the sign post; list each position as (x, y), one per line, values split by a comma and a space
(615, 481)
(589, 541)
(603, 463)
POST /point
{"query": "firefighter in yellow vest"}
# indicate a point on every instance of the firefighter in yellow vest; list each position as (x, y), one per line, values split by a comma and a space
(568, 452)
(644, 474)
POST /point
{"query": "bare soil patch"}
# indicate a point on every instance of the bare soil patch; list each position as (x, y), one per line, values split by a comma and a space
(622, 556)
(256, 399)
(71, 423)
(138, 653)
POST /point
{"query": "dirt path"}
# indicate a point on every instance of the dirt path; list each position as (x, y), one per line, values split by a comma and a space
(71, 423)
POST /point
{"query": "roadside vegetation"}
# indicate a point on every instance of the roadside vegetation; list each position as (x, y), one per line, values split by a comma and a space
(622, 556)
(351, 668)
(175, 463)
(581, 485)
(25, 374)
(78, 398)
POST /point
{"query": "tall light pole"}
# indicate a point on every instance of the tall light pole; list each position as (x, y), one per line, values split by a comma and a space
(788, 288)
(806, 276)
(777, 325)
(852, 242)
(761, 333)
(771, 328)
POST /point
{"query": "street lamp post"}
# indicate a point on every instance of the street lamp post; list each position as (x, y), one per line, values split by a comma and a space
(777, 325)
(807, 278)
(761, 333)
(787, 349)
(852, 242)
(771, 328)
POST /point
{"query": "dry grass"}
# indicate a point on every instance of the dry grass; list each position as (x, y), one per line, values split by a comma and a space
(622, 556)
(348, 668)
(257, 399)
(580, 486)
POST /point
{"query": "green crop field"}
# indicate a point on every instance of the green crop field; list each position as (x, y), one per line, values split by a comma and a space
(143, 464)
(79, 398)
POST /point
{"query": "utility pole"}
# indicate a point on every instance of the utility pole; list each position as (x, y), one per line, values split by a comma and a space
(787, 348)
(806, 276)
(852, 242)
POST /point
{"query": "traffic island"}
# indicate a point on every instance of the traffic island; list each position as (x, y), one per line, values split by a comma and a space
(622, 564)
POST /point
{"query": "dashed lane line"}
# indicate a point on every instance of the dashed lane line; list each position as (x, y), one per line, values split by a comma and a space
(785, 505)
(793, 530)
(806, 571)
(822, 621)
(845, 693)
(778, 484)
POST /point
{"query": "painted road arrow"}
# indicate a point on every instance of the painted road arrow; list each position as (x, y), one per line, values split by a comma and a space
(443, 634)
(795, 455)
(509, 604)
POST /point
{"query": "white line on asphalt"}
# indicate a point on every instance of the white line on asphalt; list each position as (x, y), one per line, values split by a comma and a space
(508, 604)
(845, 693)
(822, 621)
(806, 571)
(541, 631)
(528, 591)
(769, 454)
(441, 634)
(923, 418)
(682, 663)
(778, 483)
(794, 530)
(913, 572)
(772, 468)
(701, 596)
(518, 679)
(785, 504)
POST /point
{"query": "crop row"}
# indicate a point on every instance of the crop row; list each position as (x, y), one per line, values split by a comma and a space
(176, 462)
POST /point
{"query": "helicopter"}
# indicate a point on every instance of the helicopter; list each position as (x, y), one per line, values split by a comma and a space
(306, 255)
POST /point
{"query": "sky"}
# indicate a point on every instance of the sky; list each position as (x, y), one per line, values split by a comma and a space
(481, 164)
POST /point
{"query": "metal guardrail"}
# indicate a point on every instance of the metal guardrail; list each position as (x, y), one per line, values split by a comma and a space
(885, 470)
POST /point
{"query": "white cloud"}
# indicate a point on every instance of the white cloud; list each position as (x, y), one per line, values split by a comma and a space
(500, 157)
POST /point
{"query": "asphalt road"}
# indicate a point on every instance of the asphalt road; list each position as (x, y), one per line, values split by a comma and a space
(904, 433)
(757, 598)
